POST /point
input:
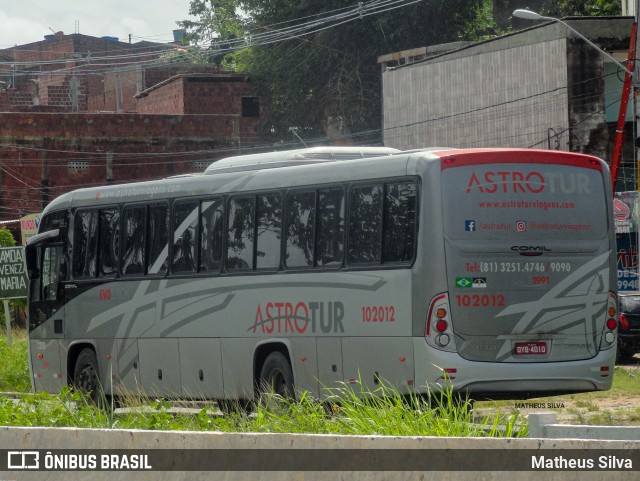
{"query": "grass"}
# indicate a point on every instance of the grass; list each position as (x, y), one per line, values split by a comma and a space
(616, 407)
(387, 413)
(382, 412)
(14, 369)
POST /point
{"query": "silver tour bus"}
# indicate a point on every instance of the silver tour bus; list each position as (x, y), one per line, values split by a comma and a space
(488, 271)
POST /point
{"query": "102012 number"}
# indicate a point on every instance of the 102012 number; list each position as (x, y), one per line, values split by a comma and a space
(480, 300)
(378, 314)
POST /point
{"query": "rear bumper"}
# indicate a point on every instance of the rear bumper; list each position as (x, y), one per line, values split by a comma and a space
(515, 380)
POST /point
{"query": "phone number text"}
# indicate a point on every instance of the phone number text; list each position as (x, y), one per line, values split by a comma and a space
(525, 267)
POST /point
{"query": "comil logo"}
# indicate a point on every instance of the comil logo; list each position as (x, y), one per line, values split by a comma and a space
(23, 460)
(521, 226)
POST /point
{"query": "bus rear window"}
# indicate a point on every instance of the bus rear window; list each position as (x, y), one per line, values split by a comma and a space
(510, 201)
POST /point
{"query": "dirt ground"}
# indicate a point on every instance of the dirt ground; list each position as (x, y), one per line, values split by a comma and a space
(602, 408)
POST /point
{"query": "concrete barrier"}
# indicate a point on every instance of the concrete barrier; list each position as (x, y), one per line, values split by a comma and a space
(544, 425)
(481, 453)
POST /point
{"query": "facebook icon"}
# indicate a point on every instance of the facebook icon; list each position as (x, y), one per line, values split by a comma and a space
(470, 225)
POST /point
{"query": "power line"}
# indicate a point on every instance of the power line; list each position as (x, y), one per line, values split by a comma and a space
(363, 9)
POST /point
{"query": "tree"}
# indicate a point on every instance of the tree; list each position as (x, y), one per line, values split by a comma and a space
(329, 80)
(564, 8)
(6, 238)
(330, 76)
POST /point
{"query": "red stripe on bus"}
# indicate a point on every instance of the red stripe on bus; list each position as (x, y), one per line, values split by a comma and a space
(451, 158)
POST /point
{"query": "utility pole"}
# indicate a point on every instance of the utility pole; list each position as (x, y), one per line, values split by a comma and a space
(636, 132)
(627, 87)
(118, 91)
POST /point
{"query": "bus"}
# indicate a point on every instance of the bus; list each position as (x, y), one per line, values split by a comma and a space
(490, 272)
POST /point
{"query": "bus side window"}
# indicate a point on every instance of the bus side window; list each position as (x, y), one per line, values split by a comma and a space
(185, 223)
(50, 270)
(300, 226)
(133, 254)
(85, 242)
(398, 240)
(330, 235)
(365, 224)
(269, 230)
(211, 235)
(158, 231)
(241, 232)
(109, 242)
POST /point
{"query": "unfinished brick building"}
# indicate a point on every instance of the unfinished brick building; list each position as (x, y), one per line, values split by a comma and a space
(80, 111)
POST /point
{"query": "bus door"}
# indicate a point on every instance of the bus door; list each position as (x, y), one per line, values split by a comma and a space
(46, 316)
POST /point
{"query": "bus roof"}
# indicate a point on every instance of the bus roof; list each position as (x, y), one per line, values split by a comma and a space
(246, 172)
(287, 158)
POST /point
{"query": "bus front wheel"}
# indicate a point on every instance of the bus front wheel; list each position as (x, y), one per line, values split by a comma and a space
(276, 376)
(85, 375)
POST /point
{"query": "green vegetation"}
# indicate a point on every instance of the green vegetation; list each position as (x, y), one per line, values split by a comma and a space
(324, 79)
(384, 413)
(617, 407)
(6, 238)
(387, 415)
(14, 369)
(561, 8)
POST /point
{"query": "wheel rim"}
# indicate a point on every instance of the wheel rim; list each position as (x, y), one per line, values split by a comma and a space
(87, 379)
(278, 383)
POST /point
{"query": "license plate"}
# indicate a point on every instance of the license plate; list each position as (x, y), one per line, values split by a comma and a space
(530, 348)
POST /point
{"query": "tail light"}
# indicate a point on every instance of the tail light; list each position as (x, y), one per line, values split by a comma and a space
(624, 322)
(609, 332)
(438, 330)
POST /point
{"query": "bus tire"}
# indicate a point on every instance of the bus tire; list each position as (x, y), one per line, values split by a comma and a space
(276, 376)
(85, 375)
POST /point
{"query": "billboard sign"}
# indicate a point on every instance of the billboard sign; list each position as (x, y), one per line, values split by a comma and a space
(13, 275)
(29, 226)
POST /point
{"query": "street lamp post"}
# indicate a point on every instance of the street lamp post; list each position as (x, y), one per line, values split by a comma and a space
(531, 15)
(629, 77)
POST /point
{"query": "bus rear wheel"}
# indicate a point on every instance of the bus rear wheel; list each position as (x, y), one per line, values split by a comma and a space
(85, 375)
(276, 377)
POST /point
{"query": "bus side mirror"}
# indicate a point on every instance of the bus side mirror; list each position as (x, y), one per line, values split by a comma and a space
(31, 251)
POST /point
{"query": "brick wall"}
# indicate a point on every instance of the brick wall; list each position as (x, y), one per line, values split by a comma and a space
(197, 95)
(169, 98)
(49, 154)
(95, 90)
(180, 126)
(81, 53)
(77, 49)
(217, 95)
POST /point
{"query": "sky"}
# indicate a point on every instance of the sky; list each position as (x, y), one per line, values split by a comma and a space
(27, 21)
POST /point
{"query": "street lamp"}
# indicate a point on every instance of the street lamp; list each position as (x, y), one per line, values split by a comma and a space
(617, 147)
(531, 15)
